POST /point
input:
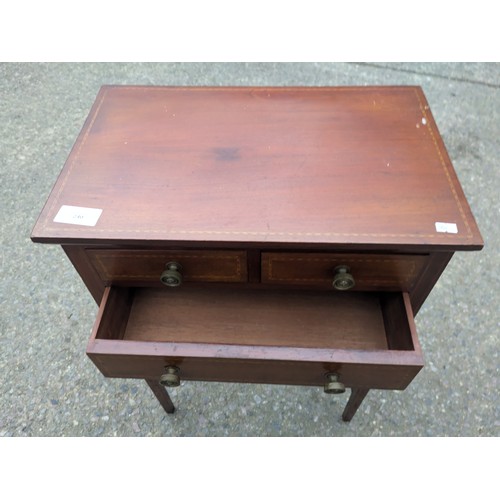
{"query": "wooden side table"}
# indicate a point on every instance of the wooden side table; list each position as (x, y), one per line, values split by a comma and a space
(267, 235)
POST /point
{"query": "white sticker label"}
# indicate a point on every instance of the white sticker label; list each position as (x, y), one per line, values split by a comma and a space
(446, 227)
(80, 216)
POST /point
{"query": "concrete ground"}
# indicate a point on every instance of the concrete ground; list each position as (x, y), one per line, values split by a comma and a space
(48, 387)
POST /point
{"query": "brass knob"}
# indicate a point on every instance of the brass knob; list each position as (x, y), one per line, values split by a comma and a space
(172, 276)
(332, 384)
(342, 279)
(171, 378)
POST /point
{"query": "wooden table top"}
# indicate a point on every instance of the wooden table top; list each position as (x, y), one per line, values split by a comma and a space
(362, 167)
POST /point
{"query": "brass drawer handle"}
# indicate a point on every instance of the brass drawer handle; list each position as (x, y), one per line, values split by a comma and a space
(332, 384)
(343, 279)
(171, 378)
(172, 276)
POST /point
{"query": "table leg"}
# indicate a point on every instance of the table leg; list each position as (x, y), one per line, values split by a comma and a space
(356, 398)
(161, 394)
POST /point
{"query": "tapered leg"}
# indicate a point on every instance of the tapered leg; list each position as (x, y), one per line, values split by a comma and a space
(161, 394)
(356, 398)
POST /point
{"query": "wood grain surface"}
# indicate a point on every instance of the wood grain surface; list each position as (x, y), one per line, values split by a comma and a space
(255, 317)
(332, 166)
(257, 337)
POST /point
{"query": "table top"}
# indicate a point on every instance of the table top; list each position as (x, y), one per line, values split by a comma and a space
(362, 167)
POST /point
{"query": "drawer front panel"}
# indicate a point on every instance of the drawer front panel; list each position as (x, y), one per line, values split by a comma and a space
(370, 272)
(396, 375)
(130, 266)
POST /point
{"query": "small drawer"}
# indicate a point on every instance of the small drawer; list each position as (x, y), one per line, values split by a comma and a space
(257, 336)
(318, 270)
(135, 267)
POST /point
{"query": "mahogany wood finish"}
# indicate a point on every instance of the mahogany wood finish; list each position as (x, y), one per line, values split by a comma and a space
(258, 194)
(371, 272)
(79, 259)
(356, 166)
(436, 265)
(252, 317)
(263, 337)
(355, 400)
(161, 394)
(129, 266)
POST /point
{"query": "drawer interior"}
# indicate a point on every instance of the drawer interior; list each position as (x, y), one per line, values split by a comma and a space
(350, 321)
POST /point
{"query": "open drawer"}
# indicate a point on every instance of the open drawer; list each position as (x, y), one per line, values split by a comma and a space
(258, 336)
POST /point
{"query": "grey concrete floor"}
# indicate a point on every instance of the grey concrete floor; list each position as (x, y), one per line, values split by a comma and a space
(48, 387)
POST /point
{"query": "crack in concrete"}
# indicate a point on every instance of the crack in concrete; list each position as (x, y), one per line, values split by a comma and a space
(425, 73)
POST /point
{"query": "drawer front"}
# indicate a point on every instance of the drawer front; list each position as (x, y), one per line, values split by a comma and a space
(139, 332)
(389, 374)
(146, 266)
(317, 270)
